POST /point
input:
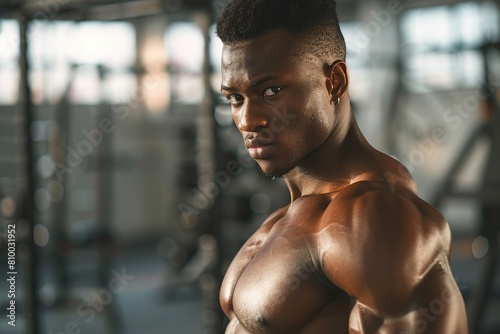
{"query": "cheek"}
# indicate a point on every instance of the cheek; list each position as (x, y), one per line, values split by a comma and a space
(320, 114)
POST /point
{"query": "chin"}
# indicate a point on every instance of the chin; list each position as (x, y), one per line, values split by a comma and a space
(274, 172)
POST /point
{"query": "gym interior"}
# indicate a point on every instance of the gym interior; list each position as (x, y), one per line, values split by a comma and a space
(124, 185)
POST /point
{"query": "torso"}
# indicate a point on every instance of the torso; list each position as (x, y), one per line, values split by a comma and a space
(275, 283)
(281, 289)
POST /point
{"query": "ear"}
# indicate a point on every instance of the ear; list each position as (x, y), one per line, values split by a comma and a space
(338, 79)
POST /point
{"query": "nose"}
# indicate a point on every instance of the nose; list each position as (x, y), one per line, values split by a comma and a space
(249, 118)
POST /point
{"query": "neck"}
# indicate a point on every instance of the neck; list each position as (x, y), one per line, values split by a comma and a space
(337, 163)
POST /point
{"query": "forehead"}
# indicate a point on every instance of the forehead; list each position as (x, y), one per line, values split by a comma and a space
(275, 51)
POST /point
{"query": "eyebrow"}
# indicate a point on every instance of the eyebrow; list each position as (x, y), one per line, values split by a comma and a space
(264, 80)
(227, 89)
(254, 84)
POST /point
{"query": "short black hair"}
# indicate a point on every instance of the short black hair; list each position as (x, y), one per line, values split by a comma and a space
(315, 22)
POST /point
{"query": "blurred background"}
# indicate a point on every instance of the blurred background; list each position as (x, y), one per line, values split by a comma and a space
(126, 184)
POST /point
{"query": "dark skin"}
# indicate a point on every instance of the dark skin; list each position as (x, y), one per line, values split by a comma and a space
(356, 250)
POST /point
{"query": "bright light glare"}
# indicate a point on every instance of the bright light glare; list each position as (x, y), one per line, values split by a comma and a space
(9, 41)
(185, 46)
(109, 43)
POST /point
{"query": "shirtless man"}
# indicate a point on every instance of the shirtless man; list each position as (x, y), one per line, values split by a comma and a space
(356, 250)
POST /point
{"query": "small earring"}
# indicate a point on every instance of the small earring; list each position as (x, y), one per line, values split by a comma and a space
(332, 101)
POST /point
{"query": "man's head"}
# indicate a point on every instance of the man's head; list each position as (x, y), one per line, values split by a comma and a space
(314, 22)
(284, 74)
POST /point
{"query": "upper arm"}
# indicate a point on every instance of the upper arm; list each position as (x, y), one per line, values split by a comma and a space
(378, 248)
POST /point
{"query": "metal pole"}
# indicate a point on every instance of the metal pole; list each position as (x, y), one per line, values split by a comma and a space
(210, 283)
(30, 273)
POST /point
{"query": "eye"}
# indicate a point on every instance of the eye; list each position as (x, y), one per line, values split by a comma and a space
(272, 91)
(235, 99)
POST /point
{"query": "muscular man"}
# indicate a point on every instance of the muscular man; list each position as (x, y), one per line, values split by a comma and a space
(356, 250)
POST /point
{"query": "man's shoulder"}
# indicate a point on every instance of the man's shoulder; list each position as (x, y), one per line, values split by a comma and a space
(386, 241)
(376, 205)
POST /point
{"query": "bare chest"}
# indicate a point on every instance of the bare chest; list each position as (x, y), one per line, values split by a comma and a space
(280, 288)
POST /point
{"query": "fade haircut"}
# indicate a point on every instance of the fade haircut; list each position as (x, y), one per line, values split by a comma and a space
(314, 22)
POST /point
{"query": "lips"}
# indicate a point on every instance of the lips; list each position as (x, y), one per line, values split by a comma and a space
(259, 148)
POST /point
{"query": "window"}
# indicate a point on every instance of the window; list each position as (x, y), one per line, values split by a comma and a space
(66, 53)
(9, 58)
(441, 45)
(185, 47)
